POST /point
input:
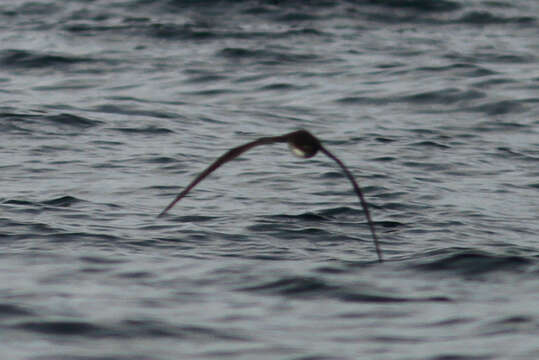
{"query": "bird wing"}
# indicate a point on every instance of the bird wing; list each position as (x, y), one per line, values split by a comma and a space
(226, 157)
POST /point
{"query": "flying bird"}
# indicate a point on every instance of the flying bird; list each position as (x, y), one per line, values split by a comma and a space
(303, 144)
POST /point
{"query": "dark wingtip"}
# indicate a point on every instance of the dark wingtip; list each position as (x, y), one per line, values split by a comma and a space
(162, 213)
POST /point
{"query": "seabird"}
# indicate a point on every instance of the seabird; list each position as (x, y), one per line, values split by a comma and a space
(303, 144)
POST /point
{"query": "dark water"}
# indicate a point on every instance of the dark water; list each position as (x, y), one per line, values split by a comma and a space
(109, 108)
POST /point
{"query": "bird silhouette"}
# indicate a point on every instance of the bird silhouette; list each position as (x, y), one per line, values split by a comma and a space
(303, 144)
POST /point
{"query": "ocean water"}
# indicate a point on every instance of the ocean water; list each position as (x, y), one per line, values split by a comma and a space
(108, 109)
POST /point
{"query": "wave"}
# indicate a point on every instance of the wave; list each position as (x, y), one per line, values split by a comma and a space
(8, 310)
(62, 201)
(268, 57)
(128, 329)
(32, 123)
(309, 287)
(473, 262)
(146, 130)
(442, 97)
(71, 120)
(488, 18)
(34, 59)
(419, 5)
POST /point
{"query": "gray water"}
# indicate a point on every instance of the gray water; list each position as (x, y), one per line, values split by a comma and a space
(109, 108)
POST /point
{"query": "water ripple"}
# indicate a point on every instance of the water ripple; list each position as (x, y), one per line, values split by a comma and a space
(267, 57)
(305, 287)
(32, 59)
(474, 263)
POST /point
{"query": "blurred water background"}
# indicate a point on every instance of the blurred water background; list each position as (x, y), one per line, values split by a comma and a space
(109, 108)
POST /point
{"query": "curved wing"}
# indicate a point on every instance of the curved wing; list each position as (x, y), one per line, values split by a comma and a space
(226, 157)
(360, 196)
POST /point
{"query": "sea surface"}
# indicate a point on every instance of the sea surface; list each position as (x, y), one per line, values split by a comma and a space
(108, 109)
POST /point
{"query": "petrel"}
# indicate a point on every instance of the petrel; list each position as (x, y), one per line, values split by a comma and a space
(303, 144)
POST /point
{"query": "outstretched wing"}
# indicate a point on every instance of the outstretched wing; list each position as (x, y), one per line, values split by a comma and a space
(360, 196)
(229, 155)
